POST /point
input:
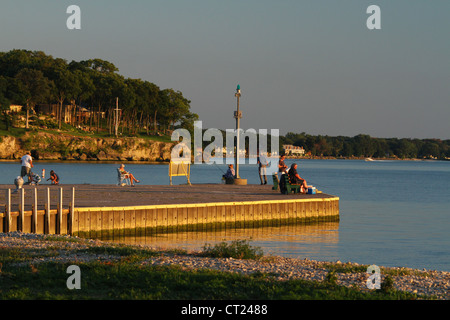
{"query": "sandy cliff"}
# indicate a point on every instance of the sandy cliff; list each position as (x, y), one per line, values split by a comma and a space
(46, 146)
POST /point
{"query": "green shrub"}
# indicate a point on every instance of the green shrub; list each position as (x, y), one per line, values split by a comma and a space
(331, 278)
(387, 285)
(238, 249)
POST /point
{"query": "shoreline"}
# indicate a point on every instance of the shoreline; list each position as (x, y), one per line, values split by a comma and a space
(162, 162)
(166, 161)
(363, 159)
(66, 250)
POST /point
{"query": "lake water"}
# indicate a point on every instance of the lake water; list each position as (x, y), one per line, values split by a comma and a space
(392, 213)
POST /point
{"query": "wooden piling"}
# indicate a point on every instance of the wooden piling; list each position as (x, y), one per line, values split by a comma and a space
(21, 224)
(8, 211)
(59, 212)
(47, 213)
(34, 221)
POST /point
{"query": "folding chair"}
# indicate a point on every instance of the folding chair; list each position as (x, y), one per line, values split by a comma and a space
(122, 179)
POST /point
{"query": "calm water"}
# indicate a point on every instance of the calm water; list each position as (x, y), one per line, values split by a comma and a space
(393, 213)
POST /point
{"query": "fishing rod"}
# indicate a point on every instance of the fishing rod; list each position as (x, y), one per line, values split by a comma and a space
(219, 168)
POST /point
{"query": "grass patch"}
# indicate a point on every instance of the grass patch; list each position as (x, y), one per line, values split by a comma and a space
(345, 267)
(57, 238)
(127, 281)
(126, 275)
(352, 268)
(12, 256)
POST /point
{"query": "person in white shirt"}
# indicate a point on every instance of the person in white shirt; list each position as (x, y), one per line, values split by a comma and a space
(262, 162)
(27, 164)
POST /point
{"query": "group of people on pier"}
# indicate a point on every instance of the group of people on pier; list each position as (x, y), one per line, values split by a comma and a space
(33, 178)
(294, 177)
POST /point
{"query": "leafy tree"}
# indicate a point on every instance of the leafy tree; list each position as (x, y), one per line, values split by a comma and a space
(146, 99)
(4, 101)
(430, 149)
(35, 77)
(99, 65)
(177, 107)
(35, 88)
(66, 88)
(15, 60)
(407, 149)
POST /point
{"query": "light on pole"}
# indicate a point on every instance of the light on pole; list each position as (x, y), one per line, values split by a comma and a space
(238, 116)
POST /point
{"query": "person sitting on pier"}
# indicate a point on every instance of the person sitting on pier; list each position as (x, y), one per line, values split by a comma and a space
(294, 178)
(230, 172)
(128, 175)
(18, 182)
(35, 178)
(53, 177)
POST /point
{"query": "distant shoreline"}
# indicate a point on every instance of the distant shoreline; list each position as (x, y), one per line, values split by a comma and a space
(362, 158)
(88, 161)
(166, 162)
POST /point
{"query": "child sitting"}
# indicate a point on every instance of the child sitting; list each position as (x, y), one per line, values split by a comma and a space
(35, 178)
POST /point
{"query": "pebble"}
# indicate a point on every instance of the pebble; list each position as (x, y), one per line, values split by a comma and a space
(431, 282)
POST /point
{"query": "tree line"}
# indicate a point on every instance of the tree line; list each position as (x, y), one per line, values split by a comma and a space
(366, 146)
(30, 78)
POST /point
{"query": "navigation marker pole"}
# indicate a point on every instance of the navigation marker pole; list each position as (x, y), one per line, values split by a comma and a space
(116, 125)
(238, 116)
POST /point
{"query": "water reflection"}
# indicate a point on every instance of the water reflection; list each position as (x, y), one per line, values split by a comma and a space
(311, 240)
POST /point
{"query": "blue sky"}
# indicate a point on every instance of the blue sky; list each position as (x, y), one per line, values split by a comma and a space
(303, 66)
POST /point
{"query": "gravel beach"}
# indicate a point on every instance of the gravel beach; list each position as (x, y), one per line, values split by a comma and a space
(422, 282)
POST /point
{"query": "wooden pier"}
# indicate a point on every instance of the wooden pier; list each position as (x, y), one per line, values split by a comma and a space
(97, 210)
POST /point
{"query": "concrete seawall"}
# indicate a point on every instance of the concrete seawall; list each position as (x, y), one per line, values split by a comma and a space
(99, 210)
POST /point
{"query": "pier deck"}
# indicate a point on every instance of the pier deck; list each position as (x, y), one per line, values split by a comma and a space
(105, 208)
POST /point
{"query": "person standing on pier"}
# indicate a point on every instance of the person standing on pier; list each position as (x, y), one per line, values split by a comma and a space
(282, 167)
(27, 164)
(262, 161)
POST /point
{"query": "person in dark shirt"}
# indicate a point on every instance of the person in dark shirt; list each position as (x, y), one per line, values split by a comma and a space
(282, 168)
(230, 172)
(295, 178)
(281, 165)
(53, 177)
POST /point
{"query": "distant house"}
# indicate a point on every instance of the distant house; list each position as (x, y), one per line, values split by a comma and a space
(15, 108)
(47, 109)
(53, 110)
(291, 150)
(70, 112)
(83, 114)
